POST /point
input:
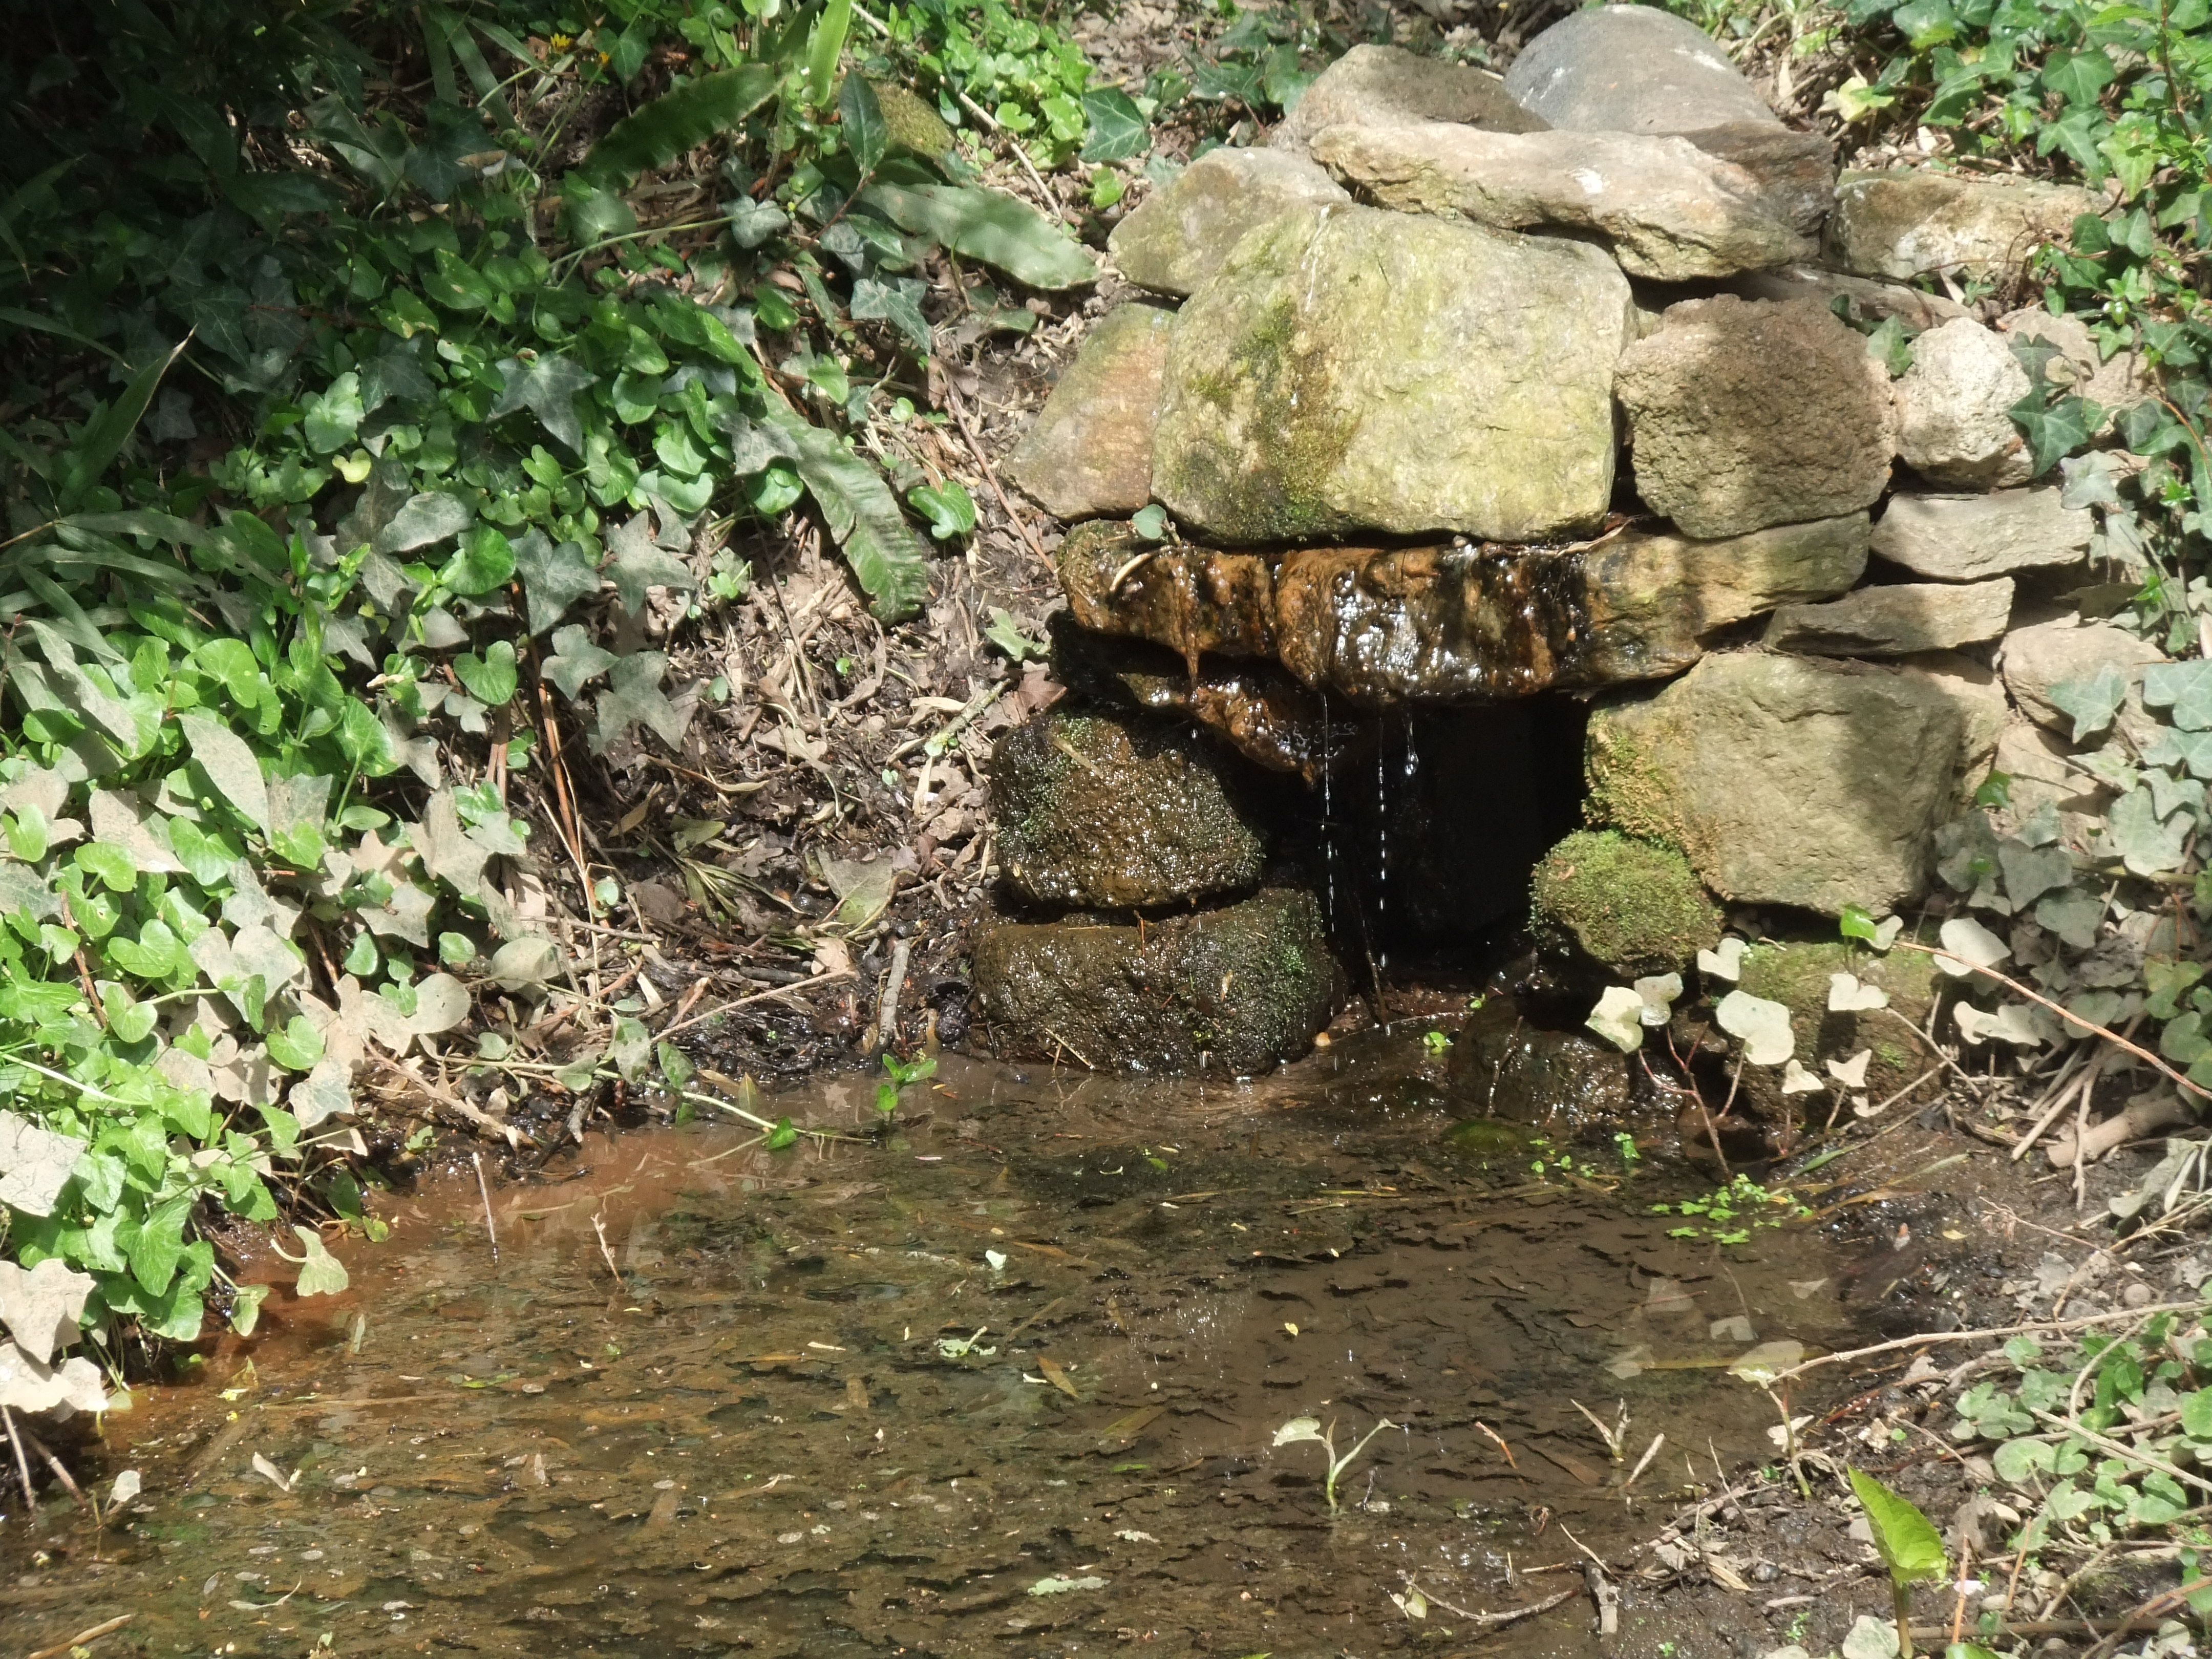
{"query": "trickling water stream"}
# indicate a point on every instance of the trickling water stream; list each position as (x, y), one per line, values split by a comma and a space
(1005, 1383)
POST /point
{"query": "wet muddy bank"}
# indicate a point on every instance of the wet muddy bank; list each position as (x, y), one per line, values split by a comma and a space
(920, 1392)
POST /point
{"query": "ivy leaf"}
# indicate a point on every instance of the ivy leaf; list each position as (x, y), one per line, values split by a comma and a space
(860, 118)
(490, 678)
(893, 302)
(575, 661)
(2056, 432)
(634, 697)
(637, 562)
(2185, 687)
(1118, 129)
(1973, 944)
(363, 740)
(2147, 845)
(426, 519)
(1618, 1019)
(321, 1274)
(34, 1164)
(485, 560)
(297, 1045)
(547, 386)
(2093, 702)
(2032, 871)
(230, 767)
(333, 416)
(2078, 77)
(630, 1047)
(1005, 633)
(889, 559)
(950, 508)
(1763, 1025)
(555, 576)
(109, 864)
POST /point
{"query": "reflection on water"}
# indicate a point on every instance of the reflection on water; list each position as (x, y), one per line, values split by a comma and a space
(1003, 1384)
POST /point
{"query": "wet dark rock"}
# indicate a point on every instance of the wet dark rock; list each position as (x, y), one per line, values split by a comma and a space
(1238, 990)
(1561, 1082)
(1178, 237)
(1380, 86)
(1191, 600)
(1257, 707)
(1744, 413)
(1468, 624)
(1624, 905)
(1353, 369)
(1632, 69)
(1089, 451)
(1118, 811)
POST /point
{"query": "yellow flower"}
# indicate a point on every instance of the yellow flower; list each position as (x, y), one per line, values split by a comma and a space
(562, 42)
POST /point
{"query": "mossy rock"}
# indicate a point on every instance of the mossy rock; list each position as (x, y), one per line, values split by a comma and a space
(1630, 907)
(1796, 974)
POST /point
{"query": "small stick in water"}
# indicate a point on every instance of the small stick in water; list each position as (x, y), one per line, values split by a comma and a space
(484, 1192)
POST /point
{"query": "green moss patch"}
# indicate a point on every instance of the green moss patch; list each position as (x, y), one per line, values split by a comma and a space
(1630, 906)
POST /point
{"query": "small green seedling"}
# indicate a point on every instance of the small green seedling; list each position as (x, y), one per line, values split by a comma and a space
(1309, 1428)
(1909, 1545)
(1435, 1041)
(901, 1072)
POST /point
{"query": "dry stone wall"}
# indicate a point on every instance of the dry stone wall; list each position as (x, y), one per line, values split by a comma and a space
(1419, 413)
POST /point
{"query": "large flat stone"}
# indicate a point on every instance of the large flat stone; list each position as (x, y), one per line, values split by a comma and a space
(1744, 413)
(1870, 298)
(1376, 85)
(1796, 171)
(1896, 620)
(1916, 222)
(1237, 990)
(1179, 235)
(1352, 369)
(1670, 211)
(1964, 538)
(1793, 780)
(1106, 811)
(1090, 450)
(1632, 69)
(1954, 404)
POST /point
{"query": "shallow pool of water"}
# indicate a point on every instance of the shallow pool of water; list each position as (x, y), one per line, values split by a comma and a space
(1005, 1382)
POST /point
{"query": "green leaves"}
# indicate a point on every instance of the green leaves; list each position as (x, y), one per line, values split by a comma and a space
(546, 384)
(555, 576)
(860, 118)
(987, 225)
(886, 556)
(1118, 128)
(949, 506)
(230, 766)
(633, 697)
(321, 1274)
(1907, 1541)
(577, 661)
(484, 561)
(490, 678)
(678, 122)
(2183, 687)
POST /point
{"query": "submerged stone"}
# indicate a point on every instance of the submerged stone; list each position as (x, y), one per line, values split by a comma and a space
(1090, 450)
(1117, 812)
(1747, 413)
(1353, 369)
(1179, 234)
(1632, 69)
(1780, 778)
(1916, 222)
(1237, 990)
(1379, 86)
(1627, 907)
(1671, 211)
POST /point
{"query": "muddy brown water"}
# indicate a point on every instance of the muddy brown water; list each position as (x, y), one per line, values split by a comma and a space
(1004, 1382)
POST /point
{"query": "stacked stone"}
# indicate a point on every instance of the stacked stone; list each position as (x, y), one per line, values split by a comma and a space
(1384, 394)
